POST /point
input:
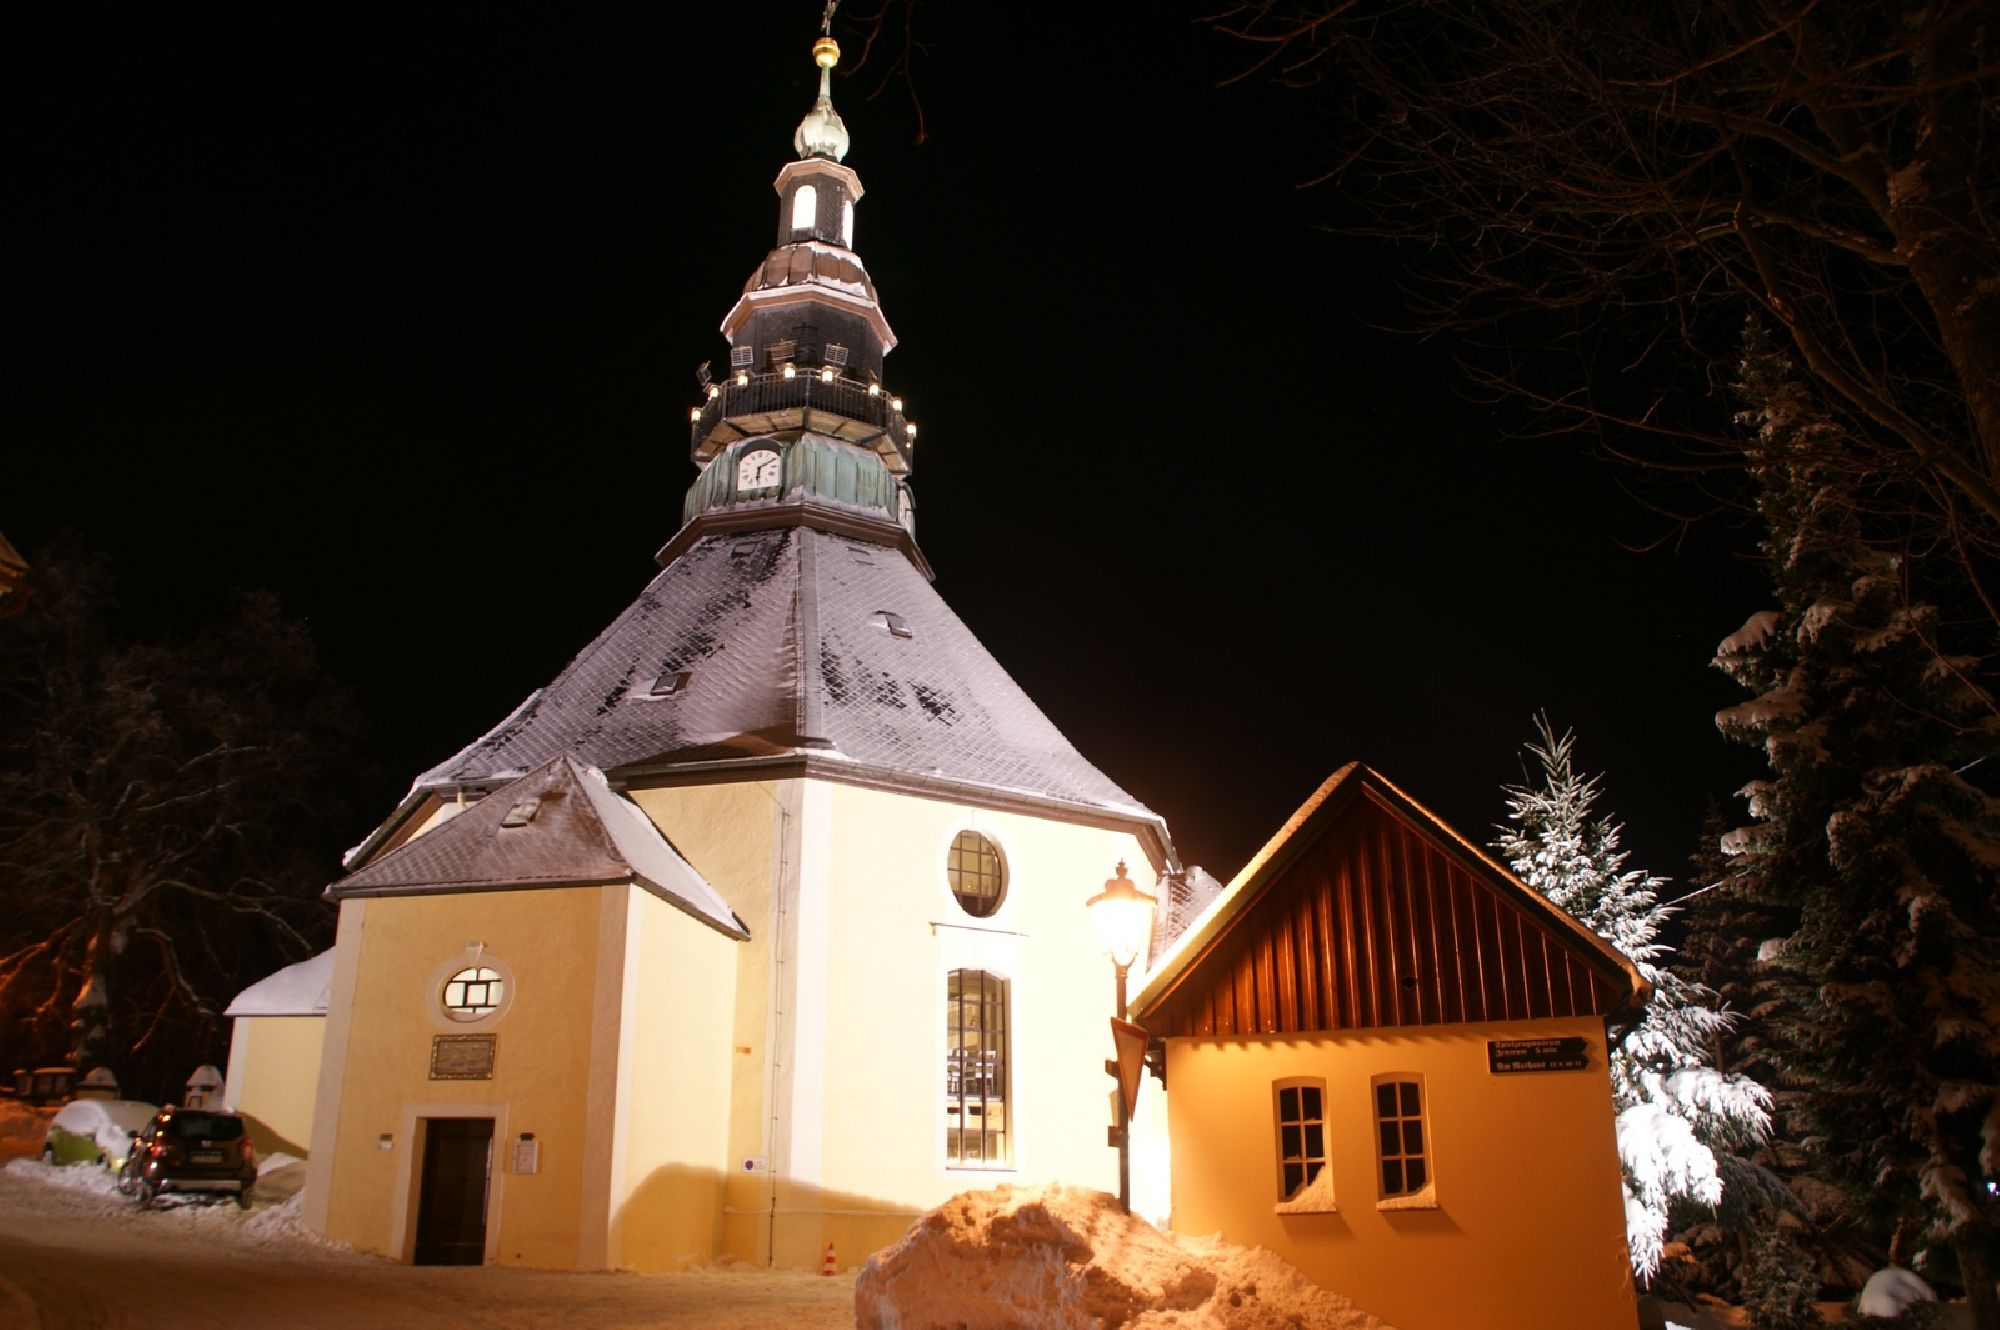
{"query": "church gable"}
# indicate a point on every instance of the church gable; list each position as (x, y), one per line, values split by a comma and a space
(1367, 912)
(560, 825)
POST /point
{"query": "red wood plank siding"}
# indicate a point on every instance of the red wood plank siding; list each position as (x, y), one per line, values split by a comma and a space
(1372, 924)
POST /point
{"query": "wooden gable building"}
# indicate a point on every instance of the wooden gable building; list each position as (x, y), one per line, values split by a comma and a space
(1386, 1062)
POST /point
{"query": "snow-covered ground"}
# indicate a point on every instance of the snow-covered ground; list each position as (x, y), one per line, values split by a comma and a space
(74, 1253)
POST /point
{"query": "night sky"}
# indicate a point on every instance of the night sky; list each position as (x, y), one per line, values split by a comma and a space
(397, 315)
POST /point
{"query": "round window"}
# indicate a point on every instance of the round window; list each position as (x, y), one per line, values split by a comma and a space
(474, 993)
(978, 874)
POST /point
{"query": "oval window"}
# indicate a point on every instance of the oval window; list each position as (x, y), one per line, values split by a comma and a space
(474, 993)
(977, 872)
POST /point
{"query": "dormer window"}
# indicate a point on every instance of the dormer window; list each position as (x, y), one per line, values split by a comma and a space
(847, 222)
(670, 682)
(805, 207)
(892, 623)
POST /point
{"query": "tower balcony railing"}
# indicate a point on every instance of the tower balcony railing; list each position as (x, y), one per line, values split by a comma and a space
(801, 397)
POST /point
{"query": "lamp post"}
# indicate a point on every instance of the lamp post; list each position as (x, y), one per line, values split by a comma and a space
(1122, 915)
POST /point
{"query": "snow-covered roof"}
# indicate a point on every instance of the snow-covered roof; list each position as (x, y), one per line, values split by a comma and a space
(797, 644)
(296, 990)
(558, 825)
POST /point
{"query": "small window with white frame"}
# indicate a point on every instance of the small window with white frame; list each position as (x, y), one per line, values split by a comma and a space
(1402, 1145)
(1301, 1115)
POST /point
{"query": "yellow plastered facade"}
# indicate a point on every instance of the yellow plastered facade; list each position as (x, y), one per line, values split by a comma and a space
(273, 1079)
(696, 1095)
(836, 1088)
(1527, 1228)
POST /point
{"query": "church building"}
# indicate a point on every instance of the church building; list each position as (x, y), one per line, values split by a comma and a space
(760, 928)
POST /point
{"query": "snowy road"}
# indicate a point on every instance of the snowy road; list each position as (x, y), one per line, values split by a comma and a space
(74, 1255)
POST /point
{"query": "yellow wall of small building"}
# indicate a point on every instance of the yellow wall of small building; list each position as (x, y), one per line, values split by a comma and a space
(1528, 1231)
(274, 1079)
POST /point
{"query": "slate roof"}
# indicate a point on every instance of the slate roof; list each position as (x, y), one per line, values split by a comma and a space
(581, 832)
(795, 640)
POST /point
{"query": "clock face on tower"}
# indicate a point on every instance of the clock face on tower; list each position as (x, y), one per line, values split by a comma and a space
(757, 469)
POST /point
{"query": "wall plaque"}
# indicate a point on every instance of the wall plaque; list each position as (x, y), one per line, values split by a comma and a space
(1504, 1056)
(463, 1057)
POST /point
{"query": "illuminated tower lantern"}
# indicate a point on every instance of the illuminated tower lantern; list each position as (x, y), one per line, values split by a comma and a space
(760, 926)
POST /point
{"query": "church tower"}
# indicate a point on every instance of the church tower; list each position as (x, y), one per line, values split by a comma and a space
(760, 927)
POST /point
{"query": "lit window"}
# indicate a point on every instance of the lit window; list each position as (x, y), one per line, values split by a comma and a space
(1301, 1135)
(975, 1069)
(977, 873)
(1399, 1136)
(847, 223)
(473, 993)
(805, 208)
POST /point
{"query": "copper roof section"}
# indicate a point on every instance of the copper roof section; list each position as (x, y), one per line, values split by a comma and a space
(1366, 911)
(561, 825)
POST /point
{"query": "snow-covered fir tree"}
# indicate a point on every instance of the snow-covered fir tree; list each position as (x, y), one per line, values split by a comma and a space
(1674, 1108)
(1872, 843)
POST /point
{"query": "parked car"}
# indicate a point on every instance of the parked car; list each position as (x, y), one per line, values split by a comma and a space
(95, 1131)
(45, 1085)
(190, 1150)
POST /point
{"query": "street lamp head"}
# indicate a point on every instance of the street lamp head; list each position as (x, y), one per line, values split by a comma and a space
(1122, 914)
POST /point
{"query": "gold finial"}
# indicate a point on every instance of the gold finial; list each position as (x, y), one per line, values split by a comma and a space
(826, 53)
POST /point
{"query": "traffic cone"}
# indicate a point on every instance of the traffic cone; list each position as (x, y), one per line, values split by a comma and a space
(829, 1266)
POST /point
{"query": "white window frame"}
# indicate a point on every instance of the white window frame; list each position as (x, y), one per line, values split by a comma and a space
(1314, 1194)
(1424, 1196)
(1010, 1130)
(475, 956)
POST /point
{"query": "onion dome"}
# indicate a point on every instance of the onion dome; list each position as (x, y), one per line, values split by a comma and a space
(821, 133)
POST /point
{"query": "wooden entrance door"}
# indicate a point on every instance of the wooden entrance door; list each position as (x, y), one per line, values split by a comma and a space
(451, 1208)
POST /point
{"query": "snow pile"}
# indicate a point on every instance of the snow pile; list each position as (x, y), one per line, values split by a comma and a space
(88, 1178)
(1892, 1291)
(1064, 1258)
